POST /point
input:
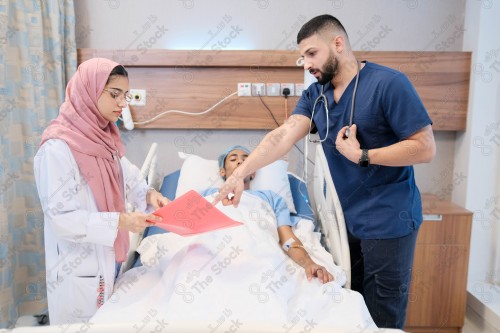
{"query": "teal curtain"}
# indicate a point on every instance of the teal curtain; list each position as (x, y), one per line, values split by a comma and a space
(37, 58)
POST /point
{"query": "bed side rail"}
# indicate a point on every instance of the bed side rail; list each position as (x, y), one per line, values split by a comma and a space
(330, 214)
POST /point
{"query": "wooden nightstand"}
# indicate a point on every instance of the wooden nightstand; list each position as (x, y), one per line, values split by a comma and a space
(438, 289)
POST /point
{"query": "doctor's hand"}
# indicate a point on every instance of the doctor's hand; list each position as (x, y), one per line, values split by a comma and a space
(315, 270)
(349, 147)
(136, 221)
(230, 192)
(156, 199)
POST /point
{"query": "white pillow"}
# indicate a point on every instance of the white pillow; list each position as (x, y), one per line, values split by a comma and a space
(199, 174)
(274, 177)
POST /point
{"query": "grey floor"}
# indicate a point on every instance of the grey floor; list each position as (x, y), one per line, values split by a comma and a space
(473, 323)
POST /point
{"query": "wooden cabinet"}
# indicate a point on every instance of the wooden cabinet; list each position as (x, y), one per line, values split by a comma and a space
(438, 288)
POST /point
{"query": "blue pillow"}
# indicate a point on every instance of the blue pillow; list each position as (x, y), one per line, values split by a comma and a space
(167, 189)
(169, 185)
(300, 198)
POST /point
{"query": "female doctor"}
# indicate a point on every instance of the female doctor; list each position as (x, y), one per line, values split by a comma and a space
(83, 181)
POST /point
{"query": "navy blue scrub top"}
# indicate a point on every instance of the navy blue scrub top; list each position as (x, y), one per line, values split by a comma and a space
(379, 202)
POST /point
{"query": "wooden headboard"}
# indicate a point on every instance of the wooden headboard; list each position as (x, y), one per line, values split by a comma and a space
(195, 80)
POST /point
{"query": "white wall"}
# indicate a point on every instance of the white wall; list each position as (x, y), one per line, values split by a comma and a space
(478, 150)
(404, 25)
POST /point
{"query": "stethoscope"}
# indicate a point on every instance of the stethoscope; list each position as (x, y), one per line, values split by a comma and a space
(322, 98)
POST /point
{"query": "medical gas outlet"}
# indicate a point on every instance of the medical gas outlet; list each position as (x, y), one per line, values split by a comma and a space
(269, 89)
(138, 97)
(244, 89)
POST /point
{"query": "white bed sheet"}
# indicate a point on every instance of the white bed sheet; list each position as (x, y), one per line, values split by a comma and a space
(233, 277)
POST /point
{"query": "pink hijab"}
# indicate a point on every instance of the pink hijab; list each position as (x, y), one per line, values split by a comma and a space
(94, 141)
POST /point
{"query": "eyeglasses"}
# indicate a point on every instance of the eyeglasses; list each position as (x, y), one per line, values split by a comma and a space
(119, 96)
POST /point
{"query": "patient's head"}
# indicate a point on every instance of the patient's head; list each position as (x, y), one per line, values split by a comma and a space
(231, 159)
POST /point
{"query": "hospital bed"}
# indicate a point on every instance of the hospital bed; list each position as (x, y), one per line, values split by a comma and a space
(324, 209)
(324, 213)
(323, 216)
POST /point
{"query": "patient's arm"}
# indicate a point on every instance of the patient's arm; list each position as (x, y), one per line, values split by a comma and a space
(299, 254)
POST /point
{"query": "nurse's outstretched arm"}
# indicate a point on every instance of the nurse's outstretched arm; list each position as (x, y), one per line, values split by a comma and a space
(275, 144)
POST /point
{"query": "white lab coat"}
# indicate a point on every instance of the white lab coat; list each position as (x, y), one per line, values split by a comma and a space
(79, 240)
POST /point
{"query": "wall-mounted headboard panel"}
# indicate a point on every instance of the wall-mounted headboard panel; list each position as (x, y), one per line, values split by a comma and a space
(195, 80)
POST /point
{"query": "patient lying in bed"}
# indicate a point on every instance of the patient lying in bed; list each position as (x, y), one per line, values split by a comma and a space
(232, 159)
(233, 277)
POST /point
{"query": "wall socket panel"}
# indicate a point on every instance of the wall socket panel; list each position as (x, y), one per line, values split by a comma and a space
(258, 89)
(245, 89)
(269, 89)
(138, 97)
(299, 89)
(290, 86)
(273, 89)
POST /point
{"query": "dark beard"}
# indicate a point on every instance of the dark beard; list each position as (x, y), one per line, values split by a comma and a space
(329, 70)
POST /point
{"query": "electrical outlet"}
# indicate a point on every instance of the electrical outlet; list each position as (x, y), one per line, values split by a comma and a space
(244, 89)
(258, 89)
(273, 89)
(299, 88)
(138, 97)
(290, 86)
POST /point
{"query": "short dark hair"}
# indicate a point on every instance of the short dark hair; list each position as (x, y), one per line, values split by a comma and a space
(118, 70)
(318, 24)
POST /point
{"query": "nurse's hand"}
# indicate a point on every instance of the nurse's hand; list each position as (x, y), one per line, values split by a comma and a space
(156, 199)
(348, 146)
(230, 192)
(136, 221)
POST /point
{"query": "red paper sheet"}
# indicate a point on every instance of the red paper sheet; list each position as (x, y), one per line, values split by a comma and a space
(192, 214)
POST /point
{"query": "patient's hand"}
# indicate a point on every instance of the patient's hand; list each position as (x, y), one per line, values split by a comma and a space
(315, 270)
(230, 192)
